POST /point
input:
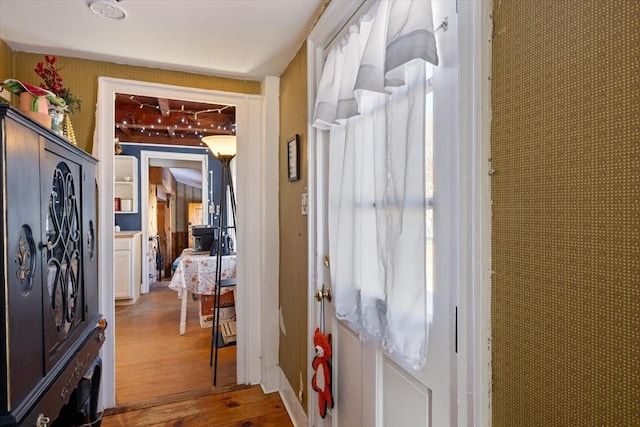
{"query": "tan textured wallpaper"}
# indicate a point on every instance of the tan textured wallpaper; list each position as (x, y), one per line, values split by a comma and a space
(81, 76)
(5, 61)
(566, 213)
(293, 226)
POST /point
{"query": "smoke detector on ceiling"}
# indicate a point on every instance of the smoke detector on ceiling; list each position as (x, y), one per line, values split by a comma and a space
(109, 9)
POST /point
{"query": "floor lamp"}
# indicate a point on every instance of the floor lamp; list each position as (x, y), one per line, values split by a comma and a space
(223, 147)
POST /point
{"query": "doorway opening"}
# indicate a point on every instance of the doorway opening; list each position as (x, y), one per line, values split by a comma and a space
(163, 136)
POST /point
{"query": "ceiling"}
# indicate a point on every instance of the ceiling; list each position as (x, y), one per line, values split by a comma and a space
(246, 39)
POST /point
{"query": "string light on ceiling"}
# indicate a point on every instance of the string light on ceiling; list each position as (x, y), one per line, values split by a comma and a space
(178, 122)
(181, 110)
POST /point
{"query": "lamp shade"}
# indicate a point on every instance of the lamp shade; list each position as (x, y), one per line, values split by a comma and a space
(221, 145)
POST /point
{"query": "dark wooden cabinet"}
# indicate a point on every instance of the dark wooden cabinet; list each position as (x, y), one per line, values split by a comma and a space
(51, 329)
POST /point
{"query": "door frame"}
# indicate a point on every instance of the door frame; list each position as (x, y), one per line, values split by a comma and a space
(474, 220)
(145, 158)
(257, 345)
(474, 139)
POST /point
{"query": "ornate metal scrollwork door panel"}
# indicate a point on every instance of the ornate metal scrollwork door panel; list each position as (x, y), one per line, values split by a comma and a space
(64, 248)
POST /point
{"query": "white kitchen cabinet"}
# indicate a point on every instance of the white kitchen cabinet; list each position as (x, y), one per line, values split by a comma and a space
(128, 269)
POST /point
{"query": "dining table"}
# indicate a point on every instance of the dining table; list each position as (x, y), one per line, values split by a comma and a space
(196, 273)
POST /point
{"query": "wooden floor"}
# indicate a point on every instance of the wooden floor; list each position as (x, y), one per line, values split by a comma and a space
(154, 360)
(246, 407)
(164, 379)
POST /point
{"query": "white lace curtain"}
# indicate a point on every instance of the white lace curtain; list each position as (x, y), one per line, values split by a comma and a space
(371, 98)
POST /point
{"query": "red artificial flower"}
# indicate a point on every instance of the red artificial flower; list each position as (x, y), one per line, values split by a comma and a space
(52, 81)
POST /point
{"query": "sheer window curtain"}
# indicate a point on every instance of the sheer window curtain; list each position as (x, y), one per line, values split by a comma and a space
(371, 99)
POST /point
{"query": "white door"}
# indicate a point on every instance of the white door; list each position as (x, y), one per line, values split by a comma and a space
(370, 388)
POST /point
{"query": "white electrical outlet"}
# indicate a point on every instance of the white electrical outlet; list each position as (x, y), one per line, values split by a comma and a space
(5, 94)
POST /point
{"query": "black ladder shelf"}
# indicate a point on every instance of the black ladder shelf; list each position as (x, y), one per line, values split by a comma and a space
(222, 245)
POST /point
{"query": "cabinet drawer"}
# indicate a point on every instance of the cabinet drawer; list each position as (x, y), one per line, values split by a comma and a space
(123, 244)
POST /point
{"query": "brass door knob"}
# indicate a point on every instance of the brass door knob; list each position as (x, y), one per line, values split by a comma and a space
(324, 293)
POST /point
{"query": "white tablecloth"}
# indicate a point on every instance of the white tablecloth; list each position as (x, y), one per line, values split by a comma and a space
(196, 273)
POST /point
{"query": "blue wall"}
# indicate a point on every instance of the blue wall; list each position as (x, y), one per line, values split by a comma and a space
(133, 221)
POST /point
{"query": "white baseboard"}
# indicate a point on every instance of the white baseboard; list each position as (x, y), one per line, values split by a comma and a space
(271, 379)
(291, 403)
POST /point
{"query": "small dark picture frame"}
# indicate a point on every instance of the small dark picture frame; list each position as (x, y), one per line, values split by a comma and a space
(293, 158)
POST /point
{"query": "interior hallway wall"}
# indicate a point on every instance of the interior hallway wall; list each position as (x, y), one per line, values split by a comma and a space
(293, 227)
(565, 146)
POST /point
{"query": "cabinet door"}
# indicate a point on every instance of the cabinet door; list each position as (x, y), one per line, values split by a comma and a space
(123, 281)
(24, 261)
(64, 287)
